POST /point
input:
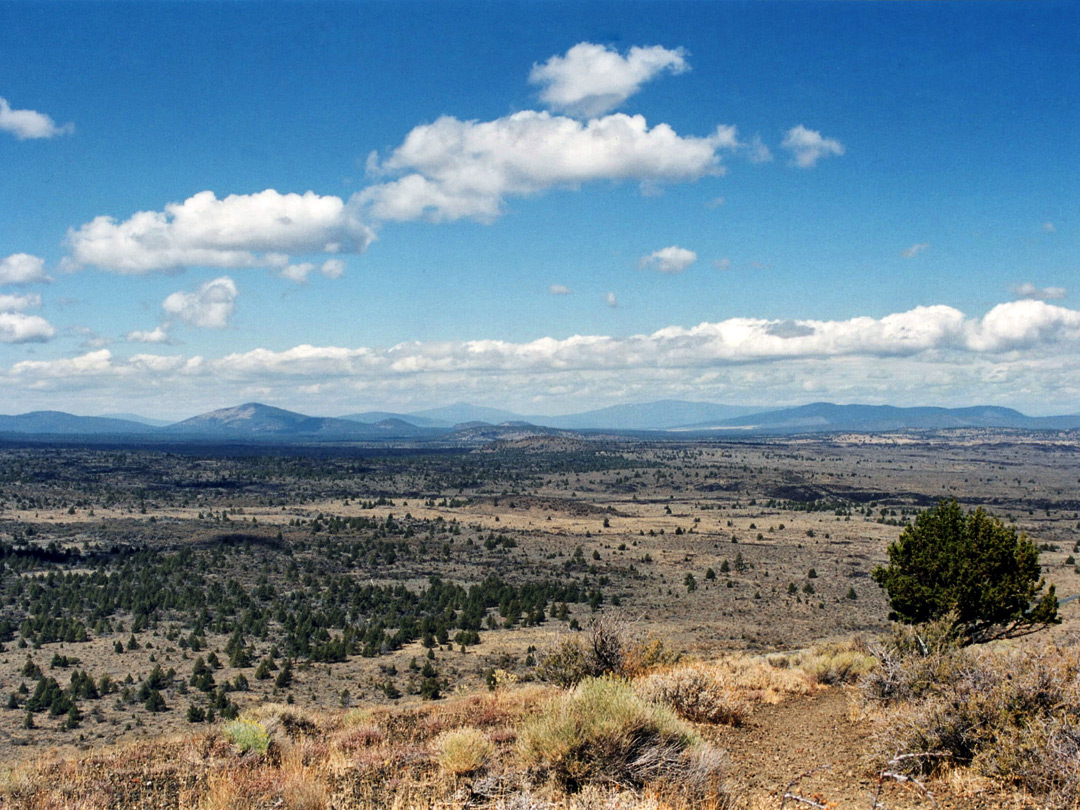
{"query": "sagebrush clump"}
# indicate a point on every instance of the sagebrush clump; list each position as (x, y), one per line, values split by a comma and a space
(247, 735)
(603, 732)
(696, 692)
(1011, 714)
(463, 751)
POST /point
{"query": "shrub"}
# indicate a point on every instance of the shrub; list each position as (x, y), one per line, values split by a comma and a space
(972, 566)
(913, 660)
(836, 663)
(1013, 715)
(463, 751)
(696, 692)
(643, 656)
(602, 731)
(248, 735)
(572, 660)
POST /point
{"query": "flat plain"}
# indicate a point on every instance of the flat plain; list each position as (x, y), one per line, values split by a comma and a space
(183, 581)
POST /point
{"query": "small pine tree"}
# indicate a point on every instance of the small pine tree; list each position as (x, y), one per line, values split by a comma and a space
(971, 566)
(284, 677)
(155, 702)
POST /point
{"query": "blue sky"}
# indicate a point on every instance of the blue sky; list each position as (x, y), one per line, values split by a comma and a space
(540, 206)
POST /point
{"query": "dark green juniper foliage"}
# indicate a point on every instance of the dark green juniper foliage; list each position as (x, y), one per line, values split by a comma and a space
(971, 564)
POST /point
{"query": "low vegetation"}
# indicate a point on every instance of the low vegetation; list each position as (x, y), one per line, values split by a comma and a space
(1007, 712)
(531, 627)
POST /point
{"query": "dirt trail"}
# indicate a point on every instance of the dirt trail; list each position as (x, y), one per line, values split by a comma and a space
(814, 737)
(800, 735)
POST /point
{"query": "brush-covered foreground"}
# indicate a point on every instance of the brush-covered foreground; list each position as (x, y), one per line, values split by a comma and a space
(939, 725)
(154, 603)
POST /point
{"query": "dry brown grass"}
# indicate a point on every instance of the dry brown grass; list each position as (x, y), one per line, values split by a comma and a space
(1008, 712)
(463, 751)
(758, 680)
(836, 662)
(696, 692)
(363, 760)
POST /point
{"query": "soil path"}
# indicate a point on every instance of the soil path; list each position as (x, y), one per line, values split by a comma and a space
(810, 747)
(811, 737)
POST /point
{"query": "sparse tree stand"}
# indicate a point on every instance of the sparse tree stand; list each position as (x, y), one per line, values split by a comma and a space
(970, 565)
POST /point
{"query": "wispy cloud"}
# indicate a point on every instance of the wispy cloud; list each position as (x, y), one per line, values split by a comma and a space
(758, 152)
(1029, 290)
(807, 146)
(914, 250)
(559, 289)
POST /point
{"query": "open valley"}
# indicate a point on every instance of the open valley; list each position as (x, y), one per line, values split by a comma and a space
(188, 585)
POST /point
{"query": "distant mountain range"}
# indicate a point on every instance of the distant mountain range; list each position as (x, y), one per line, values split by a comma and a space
(825, 416)
(58, 423)
(256, 421)
(660, 415)
(466, 423)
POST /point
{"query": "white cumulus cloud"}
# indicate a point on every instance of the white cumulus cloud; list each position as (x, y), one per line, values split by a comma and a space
(157, 335)
(331, 268)
(17, 303)
(29, 124)
(592, 79)
(808, 146)
(209, 307)
(673, 259)
(240, 230)
(1020, 351)
(15, 327)
(456, 169)
(22, 268)
(1023, 325)
(91, 363)
(1029, 290)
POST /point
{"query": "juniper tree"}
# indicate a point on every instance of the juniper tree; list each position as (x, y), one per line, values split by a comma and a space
(969, 565)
